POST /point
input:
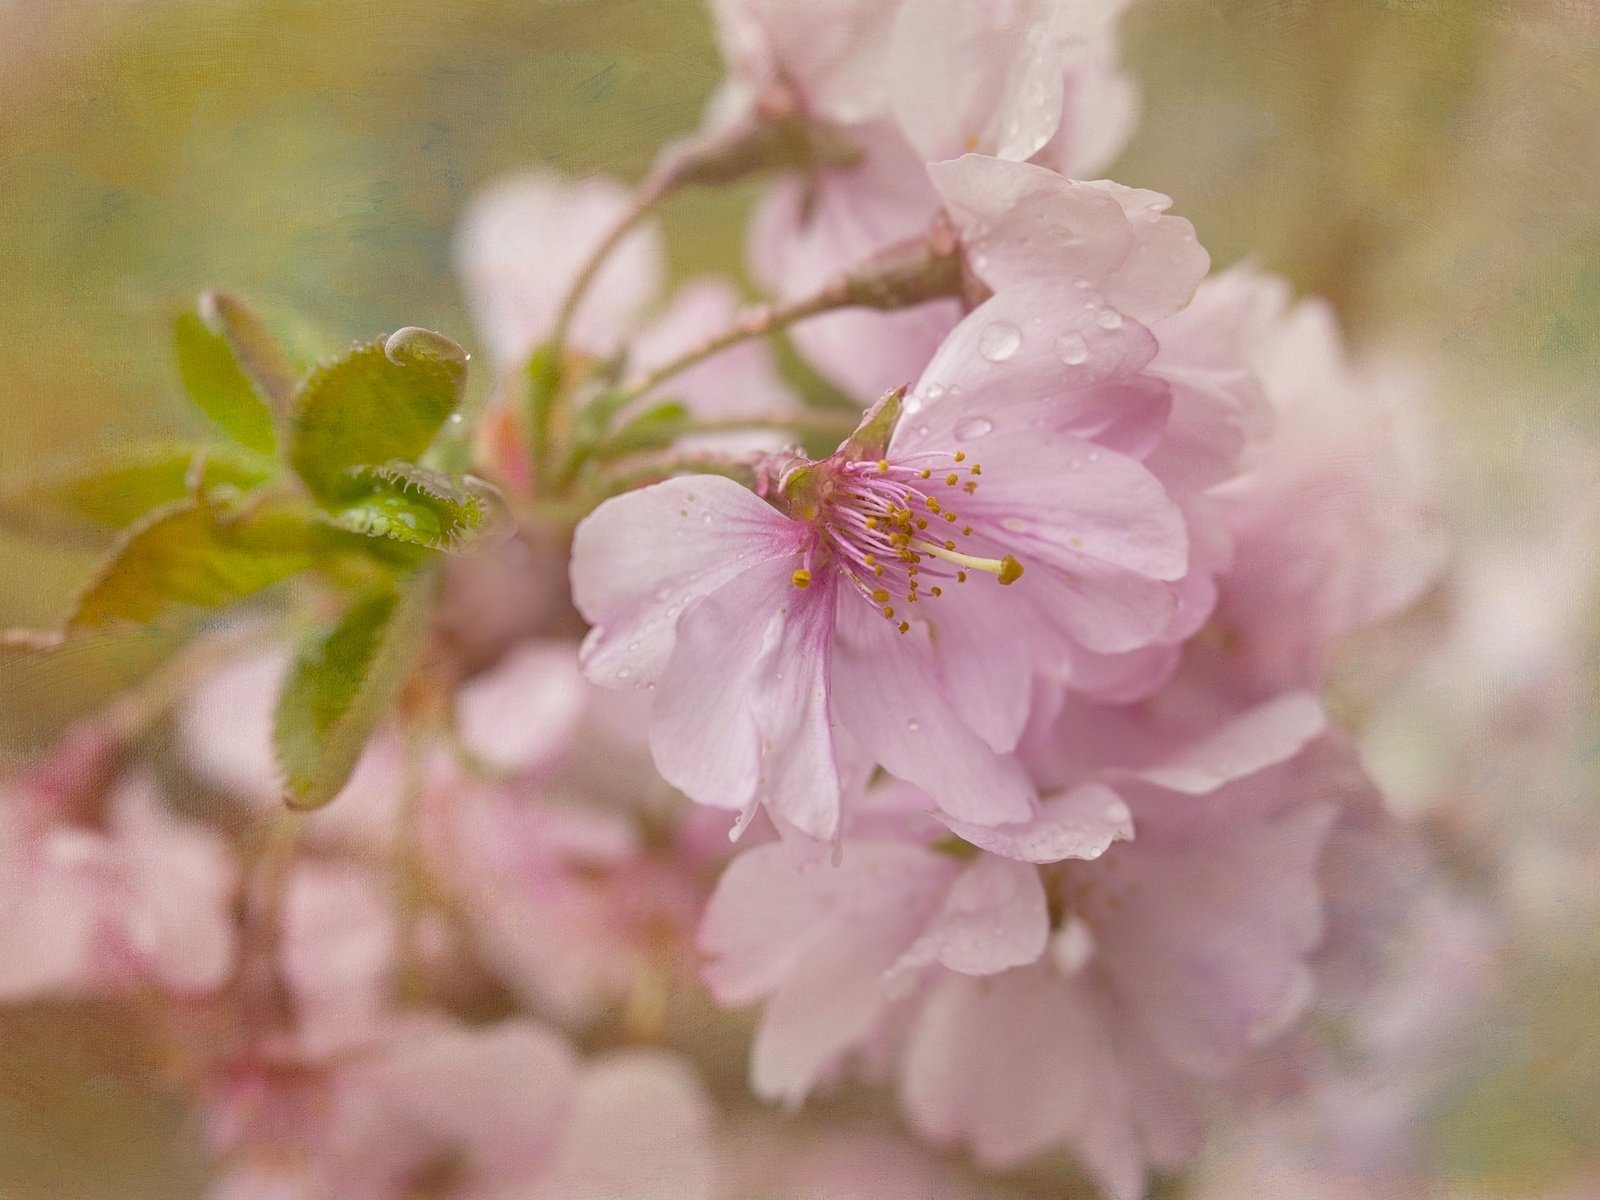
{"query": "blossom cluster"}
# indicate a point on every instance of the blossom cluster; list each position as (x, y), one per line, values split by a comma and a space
(958, 709)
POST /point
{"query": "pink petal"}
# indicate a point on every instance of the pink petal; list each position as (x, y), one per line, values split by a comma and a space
(993, 918)
(888, 694)
(742, 709)
(1030, 360)
(972, 77)
(641, 559)
(1256, 739)
(1081, 822)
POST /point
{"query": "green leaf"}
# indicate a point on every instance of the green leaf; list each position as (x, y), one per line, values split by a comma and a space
(381, 402)
(343, 682)
(407, 503)
(192, 555)
(218, 387)
(255, 349)
(112, 490)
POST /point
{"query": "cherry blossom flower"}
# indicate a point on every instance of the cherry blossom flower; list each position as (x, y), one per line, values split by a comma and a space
(126, 896)
(1122, 990)
(782, 638)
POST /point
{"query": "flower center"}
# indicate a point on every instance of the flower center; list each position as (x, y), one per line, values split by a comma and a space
(895, 530)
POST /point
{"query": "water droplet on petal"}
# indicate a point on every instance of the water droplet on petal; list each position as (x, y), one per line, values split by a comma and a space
(935, 390)
(1080, 282)
(971, 428)
(999, 341)
(1109, 318)
(913, 725)
(624, 672)
(706, 517)
(1072, 349)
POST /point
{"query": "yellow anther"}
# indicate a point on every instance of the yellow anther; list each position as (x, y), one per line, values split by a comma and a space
(970, 488)
(933, 504)
(811, 512)
(922, 523)
(1010, 570)
(976, 468)
(950, 516)
(883, 466)
(961, 576)
(905, 626)
(966, 531)
(881, 595)
(888, 612)
(936, 590)
(869, 559)
(872, 522)
(925, 473)
(961, 456)
(801, 578)
(949, 545)
(878, 571)
(952, 479)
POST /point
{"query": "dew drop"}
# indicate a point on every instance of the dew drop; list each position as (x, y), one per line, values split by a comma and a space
(624, 672)
(1080, 282)
(706, 517)
(1072, 349)
(999, 341)
(455, 418)
(913, 725)
(971, 428)
(632, 647)
(1108, 318)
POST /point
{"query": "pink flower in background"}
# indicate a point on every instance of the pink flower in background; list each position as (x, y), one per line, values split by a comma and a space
(781, 639)
(103, 901)
(1331, 515)
(1033, 80)
(519, 249)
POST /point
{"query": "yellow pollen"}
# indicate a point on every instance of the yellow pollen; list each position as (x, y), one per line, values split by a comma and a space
(961, 456)
(881, 595)
(801, 578)
(883, 466)
(952, 479)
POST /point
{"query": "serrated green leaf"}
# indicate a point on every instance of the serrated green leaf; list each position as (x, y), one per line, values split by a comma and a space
(115, 489)
(409, 503)
(218, 387)
(342, 683)
(191, 555)
(259, 354)
(382, 402)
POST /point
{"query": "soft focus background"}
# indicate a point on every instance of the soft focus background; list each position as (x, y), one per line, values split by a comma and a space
(1433, 166)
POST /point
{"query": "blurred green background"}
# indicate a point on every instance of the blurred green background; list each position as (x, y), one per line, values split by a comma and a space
(1431, 165)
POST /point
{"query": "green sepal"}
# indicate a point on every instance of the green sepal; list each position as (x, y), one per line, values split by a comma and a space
(112, 490)
(405, 502)
(193, 555)
(871, 437)
(218, 385)
(343, 682)
(384, 401)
